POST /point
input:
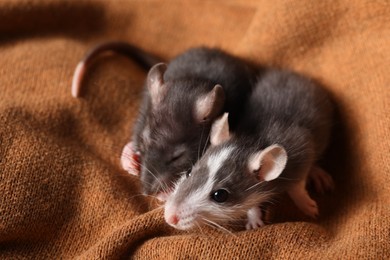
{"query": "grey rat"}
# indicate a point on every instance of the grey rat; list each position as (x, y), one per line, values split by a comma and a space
(180, 102)
(282, 133)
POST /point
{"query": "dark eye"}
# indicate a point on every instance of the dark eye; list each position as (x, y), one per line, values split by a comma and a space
(188, 173)
(220, 195)
(176, 156)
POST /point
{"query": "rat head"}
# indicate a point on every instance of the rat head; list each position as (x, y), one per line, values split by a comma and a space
(225, 183)
(175, 129)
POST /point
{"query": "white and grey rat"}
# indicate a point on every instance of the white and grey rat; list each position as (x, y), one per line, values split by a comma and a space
(180, 102)
(282, 132)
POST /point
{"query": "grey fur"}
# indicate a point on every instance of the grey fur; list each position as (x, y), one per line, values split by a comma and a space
(284, 108)
(172, 126)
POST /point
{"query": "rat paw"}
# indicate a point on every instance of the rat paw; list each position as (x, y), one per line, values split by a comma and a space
(310, 208)
(254, 219)
(299, 195)
(254, 224)
(130, 160)
(321, 179)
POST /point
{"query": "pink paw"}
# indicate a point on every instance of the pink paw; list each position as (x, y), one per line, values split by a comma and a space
(130, 160)
(254, 219)
(321, 179)
(310, 208)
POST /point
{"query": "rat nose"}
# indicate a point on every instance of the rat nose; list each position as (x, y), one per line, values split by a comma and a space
(173, 219)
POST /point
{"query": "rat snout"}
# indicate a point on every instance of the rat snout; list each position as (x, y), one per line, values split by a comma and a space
(170, 215)
(180, 217)
(173, 220)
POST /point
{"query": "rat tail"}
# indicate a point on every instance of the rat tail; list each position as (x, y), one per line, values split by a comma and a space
(144, 59)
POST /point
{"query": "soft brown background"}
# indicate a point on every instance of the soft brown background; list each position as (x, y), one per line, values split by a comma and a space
(63, 193)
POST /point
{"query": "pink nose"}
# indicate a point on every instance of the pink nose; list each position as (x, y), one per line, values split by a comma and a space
(173, 219)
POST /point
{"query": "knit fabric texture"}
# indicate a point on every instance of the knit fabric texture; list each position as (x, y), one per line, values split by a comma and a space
(63, 192)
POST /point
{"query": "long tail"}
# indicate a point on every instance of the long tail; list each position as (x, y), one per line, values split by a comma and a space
(144, 59)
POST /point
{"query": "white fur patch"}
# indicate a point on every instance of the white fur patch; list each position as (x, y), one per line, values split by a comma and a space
(215, 161)
(200, 197)
(198, 200)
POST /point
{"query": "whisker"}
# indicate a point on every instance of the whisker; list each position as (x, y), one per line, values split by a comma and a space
(205, 145)
(160, 207)
(200, 228)
(219, 226)
(287, 179)
(253, 186)
(155, 177)
(200, 142)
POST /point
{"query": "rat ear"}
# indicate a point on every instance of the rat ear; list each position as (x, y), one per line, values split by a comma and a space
(220, 130)
(269, 163)
(155, 83)
(209, 106)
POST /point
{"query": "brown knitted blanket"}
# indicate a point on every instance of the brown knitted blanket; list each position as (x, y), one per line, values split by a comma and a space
(63, 193)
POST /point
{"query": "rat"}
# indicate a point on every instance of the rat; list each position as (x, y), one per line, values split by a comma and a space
(283, 131)
(180, 101)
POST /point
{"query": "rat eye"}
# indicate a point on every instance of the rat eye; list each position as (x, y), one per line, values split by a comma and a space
(188, 172)
(220, 195)
(173, 159)
(177, 155)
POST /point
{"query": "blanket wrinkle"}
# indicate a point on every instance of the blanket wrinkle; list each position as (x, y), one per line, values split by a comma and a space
(46, 18)
(63, 192)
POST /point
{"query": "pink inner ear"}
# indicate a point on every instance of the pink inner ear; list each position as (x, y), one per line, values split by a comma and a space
(131, 160)
(264, 170)
(156, 86)
(260, 176)
(136, 162)
(220, 130)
